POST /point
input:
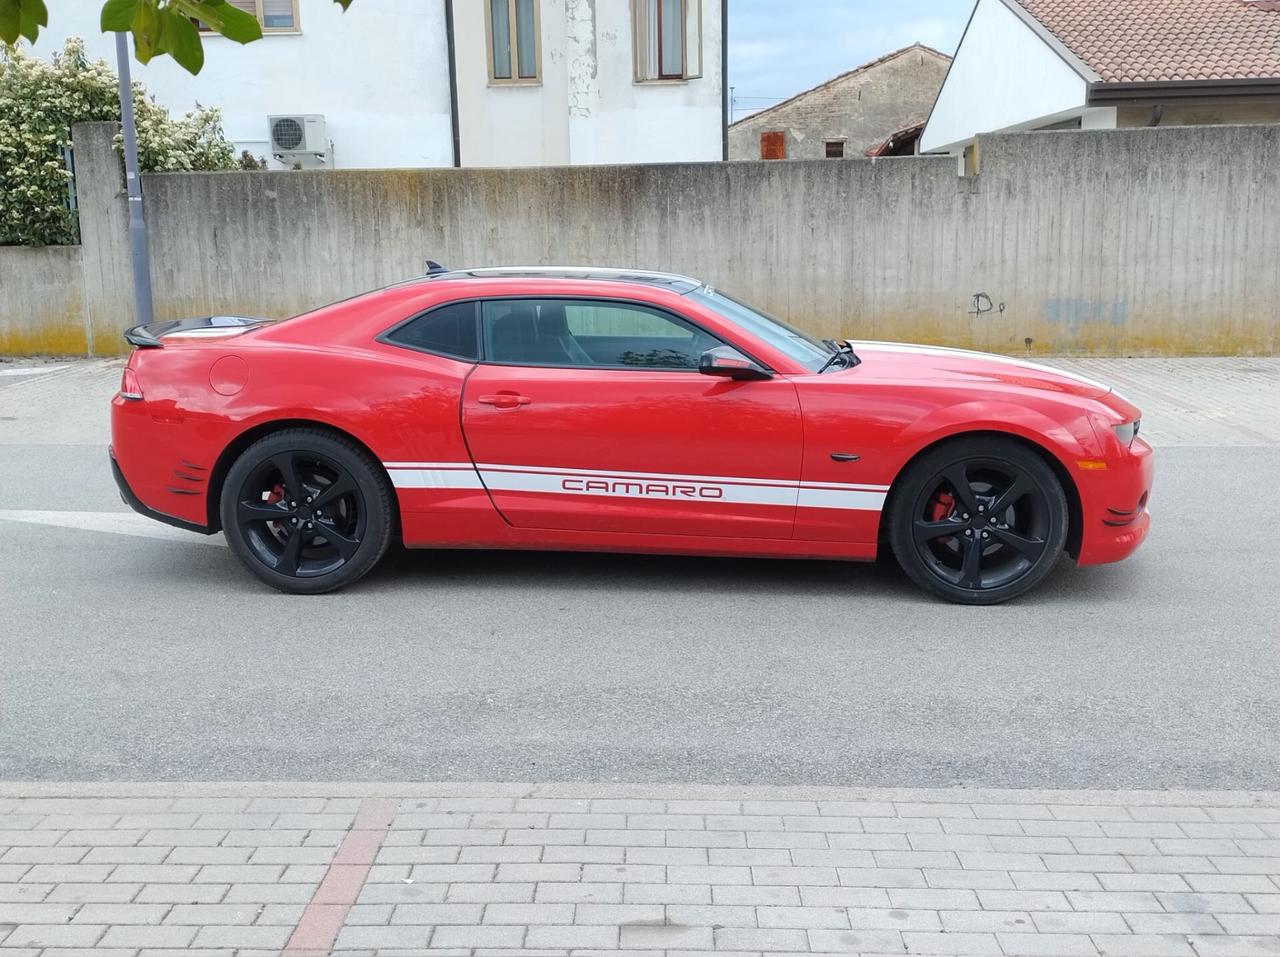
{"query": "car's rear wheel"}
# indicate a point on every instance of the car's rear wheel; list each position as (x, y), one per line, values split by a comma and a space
(306, 511)
(978, 521)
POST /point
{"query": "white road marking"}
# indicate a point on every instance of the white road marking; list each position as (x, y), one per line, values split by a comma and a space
(115, 523)
(29, 370)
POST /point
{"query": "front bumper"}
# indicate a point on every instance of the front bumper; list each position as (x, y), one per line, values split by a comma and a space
(132, 500)
(1114, 506)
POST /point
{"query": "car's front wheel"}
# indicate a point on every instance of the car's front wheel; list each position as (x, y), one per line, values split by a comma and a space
(978, 520)
(306, 511)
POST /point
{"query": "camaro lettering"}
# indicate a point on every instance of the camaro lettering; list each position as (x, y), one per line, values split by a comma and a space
(641, 489)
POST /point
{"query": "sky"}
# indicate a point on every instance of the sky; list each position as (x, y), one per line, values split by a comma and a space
(779, 49)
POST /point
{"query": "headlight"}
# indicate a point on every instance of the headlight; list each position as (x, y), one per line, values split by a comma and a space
(1126, 433)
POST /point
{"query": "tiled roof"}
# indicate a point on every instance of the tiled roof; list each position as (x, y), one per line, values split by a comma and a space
(1136, 41)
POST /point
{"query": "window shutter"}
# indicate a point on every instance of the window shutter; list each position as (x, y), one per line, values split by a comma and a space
(692, 39)
(773, 145)
(646, 38)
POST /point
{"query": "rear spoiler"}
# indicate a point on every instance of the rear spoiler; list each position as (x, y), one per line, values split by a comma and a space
(148, 336)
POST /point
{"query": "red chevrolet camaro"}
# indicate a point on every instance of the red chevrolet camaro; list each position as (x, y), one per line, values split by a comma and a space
(606, 410)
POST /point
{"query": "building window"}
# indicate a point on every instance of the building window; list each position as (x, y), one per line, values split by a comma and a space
(668, 39)
(773, 145)
(515, 49)
(835, 149)
(275, 16)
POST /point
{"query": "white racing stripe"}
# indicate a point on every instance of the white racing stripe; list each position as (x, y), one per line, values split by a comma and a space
(433, 476)
(853, 500)
(730, 490)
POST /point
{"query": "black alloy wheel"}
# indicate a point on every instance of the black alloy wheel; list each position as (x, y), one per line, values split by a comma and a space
(978, 521)
(306, 511)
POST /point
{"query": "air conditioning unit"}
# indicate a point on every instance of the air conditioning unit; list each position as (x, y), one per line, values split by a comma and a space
(301, 134)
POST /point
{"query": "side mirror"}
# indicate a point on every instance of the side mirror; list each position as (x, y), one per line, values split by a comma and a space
(729, 363)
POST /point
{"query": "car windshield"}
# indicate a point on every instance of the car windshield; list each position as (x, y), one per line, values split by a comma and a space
(801, 346)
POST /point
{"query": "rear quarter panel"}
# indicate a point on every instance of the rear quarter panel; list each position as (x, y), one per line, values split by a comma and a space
(401, 405)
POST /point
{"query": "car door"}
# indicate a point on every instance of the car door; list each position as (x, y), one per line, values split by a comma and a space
(591, 415)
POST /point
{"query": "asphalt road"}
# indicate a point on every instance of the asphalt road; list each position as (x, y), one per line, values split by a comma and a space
(132, 652)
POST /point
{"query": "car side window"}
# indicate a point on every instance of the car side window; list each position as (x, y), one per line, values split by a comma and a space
(448, 330)
(574, 332)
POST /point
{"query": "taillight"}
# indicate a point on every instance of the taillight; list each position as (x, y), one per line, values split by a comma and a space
(129, 387)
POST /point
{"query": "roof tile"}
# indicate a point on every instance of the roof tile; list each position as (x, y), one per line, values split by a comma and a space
(1131, 41)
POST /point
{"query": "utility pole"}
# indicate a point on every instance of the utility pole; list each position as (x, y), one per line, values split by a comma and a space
(133, 184)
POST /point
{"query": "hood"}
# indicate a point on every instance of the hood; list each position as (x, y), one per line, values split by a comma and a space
(899, 360)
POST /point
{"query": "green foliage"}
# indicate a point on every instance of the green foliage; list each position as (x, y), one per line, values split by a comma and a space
(158, 26)
(40, 101)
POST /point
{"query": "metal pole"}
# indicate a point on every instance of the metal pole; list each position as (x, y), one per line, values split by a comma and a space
(137, 222)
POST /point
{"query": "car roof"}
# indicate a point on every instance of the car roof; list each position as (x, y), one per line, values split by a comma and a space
(674, 282)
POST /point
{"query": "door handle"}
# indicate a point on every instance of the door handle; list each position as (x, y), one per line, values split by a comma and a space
(505, 400)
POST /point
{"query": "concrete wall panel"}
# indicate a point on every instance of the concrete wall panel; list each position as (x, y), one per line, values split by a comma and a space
(1146, 241)
(42, 301)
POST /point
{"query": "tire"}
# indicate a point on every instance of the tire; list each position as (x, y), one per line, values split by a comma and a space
(978, 521)
(307, 511)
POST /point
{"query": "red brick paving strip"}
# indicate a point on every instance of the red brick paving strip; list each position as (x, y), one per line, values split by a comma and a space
(318, 927)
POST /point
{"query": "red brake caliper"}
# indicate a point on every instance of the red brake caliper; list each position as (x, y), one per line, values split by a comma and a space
(275, 495)
(940, 508)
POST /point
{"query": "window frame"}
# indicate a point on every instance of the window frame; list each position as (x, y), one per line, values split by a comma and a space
(513, 32)
(296, 28)
(662, 311)
(385, 337)
(640, 56)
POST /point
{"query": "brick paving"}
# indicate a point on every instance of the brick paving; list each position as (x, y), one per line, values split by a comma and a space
(305, 870)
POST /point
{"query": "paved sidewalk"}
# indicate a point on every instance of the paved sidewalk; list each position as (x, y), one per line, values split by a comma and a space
(581, 869)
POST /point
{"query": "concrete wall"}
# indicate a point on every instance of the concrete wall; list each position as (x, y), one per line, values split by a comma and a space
(42, 301)
(379, 74)
(1148, 241)
(861, 109)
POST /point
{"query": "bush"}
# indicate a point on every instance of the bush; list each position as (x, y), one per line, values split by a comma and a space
(248, 161)
(40, 101)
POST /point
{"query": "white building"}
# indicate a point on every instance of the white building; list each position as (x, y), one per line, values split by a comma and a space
(410, 83)
(1102, 64)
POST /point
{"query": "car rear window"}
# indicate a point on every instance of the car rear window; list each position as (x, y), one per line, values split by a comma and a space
(448, 330)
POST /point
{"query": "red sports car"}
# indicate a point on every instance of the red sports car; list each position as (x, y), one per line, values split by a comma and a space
(606, 410)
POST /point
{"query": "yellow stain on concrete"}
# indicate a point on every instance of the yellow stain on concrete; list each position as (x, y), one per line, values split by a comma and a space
(61, 336)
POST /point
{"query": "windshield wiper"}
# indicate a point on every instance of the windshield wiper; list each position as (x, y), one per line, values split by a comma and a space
(841, 352)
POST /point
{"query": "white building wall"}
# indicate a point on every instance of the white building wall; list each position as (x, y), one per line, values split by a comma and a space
(1003, 77)
(379, 75)
(613, 119)
(511, 124)
(588, 108)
